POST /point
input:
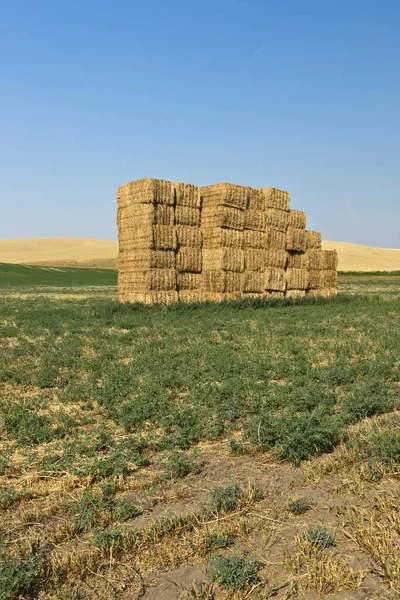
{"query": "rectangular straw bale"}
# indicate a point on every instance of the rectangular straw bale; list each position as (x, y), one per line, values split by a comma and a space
(273, 294)
(188, 281)
(155, 237)
(274, 280)
(222, 216)
(213, 281)
(253, 281)
(142, 260)
(328, 278)
(255, 219)
(253, 294)
(297, 219)
(212, 296)
(186, 215)
(322, 293)
(330, 259)
(233, 282)
(146, 191)
(225, 194)
(257, 200)
(296, 240)
(255, 260)
(276, 239)
(190, 296)
(187, 194)
(313, 240)
(149, 297)
(298, 260)
(315, 279)
(190, 237)
(316, 259)
(297, 279)
(295, 293)
(164, 237)
(254, 239)
(276, 258)
(274, 198)
(139, 215)
(215, 237)
(146, 281)
(225, 259)
(277, 219)
(189, 260)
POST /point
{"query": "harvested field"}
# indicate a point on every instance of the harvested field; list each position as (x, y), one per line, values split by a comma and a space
(236, 451)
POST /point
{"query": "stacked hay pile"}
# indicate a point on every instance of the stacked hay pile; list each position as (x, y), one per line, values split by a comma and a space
(222, 224)
(181, 242)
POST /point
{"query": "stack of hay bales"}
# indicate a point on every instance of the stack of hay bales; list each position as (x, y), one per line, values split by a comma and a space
(222, 224)
(181, 242)
(147, 242)
(189, 258)
(277, 209)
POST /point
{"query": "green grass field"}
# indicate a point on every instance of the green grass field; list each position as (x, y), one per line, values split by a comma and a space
(106, 409)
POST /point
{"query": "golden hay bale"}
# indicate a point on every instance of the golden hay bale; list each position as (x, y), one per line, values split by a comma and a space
(257, 200)
(254, 219)
(188, 281)
(138, 215)
(164, 237)
(254, 239)
(297, 219)
(187, 194)
(221, 281)
(274, 198)
(253, 281)
(329, 278)
(216, 237)
(225, 194)
(142, 260)
(156, 237)
(190, 237)
(277, 219)
(272, 294)
(297, 279)
(146, 191)
(212, 296)
(295, 293)
(298, 260)
(313, 240)
(225, 259)
(190, 296)
(253, 294)
(162, 280)
(315, 279)
(185, 215)
(274, 279)
(254, 259)
(276, 258)
(296, 240)
(316, 259)
(276, 239)
(189, 260)
(322, 293)
(330, 260)
(222, 216)
(233, 282)
(147, 281)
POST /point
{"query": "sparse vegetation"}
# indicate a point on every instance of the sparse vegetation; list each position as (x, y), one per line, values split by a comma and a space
(234, 571)
(299, 506)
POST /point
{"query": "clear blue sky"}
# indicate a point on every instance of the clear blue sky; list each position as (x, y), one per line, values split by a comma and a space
(303, 95)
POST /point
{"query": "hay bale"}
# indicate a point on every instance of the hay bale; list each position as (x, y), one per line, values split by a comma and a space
(152, 237)
(253, 281)
(298, 260)
(274, 198)
(276, 239)
(252, 295)
(274, 280)
(297, 279)
(190, 237)
(313, 240)
(316, 259)
(329, 278)
(221, 282)
(322, 293)
(330, 259)
(296, 240)
(255, 220)
(162, 280)
(188, 281)
(186, 215)
(225, 194)
(276, 258)
(223, 259)
(255, 260)
(142, 260)
(272, 294)
(139, 215)
(147, 281)
(187, 194)
(222, 216)
(257, 200)
(277, 219)
(233, 283)
(315, 279)
(189, 260)
(295, 294)
(297, 219)
(216, 237)
(190, 296)
(254, 239)
(146, 191)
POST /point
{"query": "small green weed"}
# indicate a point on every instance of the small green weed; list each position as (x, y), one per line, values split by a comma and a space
(299, 506)
(226, 499)
(319, 537)
(180, 464)
(8, 497)
(107, 538)
(20, 576)
(234, 571)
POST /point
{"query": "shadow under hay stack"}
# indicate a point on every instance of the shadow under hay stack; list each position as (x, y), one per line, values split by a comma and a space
(179, 242)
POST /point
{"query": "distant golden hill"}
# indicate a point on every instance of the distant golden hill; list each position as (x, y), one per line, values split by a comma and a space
(82, 252)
